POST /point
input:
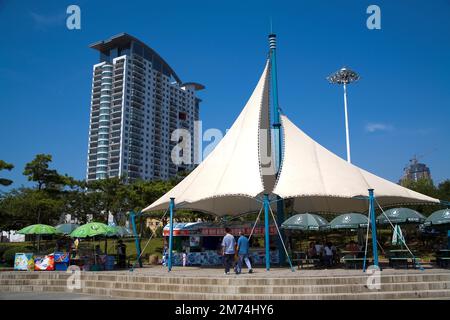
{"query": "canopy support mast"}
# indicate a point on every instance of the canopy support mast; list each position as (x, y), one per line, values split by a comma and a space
(266, 230)
(277, 138)
(136, 236)
(171, 209)
(374, 228)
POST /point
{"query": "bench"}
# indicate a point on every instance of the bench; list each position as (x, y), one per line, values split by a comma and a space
(354, 262)
(301, 259)
(305, 261)
(403, 261)
(443, 262)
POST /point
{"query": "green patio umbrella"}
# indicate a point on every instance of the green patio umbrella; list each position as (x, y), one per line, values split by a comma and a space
(67, 228)
(93, 229)
(39, 229)
(400, 215)
(349, 221)
(439, 217)
(305, 222)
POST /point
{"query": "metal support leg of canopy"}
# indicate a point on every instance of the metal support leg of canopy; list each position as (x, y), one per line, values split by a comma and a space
(171, 209)
(374, 228)
(266, 230)
(136, 236)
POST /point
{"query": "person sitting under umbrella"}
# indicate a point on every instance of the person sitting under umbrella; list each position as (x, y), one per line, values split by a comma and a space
(312, 253)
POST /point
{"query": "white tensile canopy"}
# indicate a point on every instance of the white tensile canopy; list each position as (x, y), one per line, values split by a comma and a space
(320, 181)
(229, 179)
(234, 174)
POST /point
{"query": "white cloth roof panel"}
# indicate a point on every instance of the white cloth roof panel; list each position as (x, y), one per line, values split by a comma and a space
(231, 170)
(320, 181)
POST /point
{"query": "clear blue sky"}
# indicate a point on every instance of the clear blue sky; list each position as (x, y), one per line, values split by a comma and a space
(403, 94)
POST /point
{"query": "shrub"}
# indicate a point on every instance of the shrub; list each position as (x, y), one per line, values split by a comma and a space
(10, 254)
(159, 232)
(3, 248)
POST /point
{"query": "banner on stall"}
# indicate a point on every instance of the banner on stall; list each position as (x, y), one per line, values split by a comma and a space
(24, 262)
(45, 263)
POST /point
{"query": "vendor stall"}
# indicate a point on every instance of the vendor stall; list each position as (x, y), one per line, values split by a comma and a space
(201, 242)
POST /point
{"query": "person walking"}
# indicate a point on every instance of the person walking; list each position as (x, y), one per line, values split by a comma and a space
(228, 251)
(242, 249)
(121, 254)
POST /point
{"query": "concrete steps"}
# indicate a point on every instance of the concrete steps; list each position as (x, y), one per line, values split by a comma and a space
(171, 286)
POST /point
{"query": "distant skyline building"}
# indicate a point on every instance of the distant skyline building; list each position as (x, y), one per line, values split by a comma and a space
(137, 102)
(415, 171)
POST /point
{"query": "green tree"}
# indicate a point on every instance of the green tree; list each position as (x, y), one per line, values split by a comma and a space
(19, 208)
(444, 190)
(38, 171)
(426, 187)
(5, 166)
(47, 200)
(111, 196)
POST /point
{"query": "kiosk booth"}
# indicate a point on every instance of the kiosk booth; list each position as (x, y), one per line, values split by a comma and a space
(201, 242)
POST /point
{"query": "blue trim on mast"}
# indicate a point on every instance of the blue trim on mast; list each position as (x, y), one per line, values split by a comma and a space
(171, 208)
(266, 230)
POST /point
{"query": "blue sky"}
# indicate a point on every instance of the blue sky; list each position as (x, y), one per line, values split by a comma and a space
(400, 107)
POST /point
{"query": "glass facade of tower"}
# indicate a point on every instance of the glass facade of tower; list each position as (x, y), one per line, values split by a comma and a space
(137, 103)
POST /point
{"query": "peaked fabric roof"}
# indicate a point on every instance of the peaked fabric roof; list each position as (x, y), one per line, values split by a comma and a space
(229, 178)
(320, 181)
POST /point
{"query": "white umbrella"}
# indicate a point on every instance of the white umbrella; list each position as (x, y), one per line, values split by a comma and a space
(397, 237)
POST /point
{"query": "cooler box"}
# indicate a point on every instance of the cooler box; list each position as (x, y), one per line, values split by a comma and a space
(62, 260)
(109, 264)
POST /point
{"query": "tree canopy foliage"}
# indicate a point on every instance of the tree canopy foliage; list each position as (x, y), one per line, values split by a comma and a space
(5, 166)
(54, 195)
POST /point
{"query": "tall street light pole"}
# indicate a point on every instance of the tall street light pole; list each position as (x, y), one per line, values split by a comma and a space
(345, 76)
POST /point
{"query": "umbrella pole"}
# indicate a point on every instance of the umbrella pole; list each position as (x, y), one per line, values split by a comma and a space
(93, 250)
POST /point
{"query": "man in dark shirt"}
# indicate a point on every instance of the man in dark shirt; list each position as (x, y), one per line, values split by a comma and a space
(121, 253)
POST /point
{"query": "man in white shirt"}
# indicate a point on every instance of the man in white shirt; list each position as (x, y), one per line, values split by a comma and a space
(328, 254)
(318, 248)
(228, 244)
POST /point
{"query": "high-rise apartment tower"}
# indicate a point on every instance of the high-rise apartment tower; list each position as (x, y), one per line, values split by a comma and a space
(137, 102)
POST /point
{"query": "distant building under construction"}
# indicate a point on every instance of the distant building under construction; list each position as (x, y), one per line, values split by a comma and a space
(415, 171)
